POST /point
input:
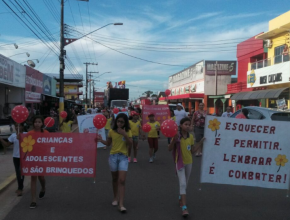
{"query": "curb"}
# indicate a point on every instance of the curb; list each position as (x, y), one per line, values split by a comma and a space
(7, 182)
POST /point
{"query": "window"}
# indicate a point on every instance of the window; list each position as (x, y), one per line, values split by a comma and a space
(254, 114)
(280, 117)
(279, 57)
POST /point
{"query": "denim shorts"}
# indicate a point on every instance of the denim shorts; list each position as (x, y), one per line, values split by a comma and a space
(118, 162)
(135, 138)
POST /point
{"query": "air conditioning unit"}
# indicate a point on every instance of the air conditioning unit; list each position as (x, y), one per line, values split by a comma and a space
(268, 43)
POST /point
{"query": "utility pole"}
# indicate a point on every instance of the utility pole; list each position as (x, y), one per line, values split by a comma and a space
(90, 75)
(87, 82)
(61, 62)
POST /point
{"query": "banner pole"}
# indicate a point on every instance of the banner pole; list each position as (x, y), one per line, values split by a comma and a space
(96, 158)
(287, 195)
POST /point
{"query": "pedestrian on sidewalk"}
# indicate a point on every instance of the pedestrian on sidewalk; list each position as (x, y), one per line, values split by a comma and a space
(182, 147)
(108, 124)
(228, 113)
(14, 139)
(152, 136)
(135, 126)
(197, 122)
(38, 127)
(120, 136)
(179, 113)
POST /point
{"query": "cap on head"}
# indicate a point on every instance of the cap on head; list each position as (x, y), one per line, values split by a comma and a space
(151, 114)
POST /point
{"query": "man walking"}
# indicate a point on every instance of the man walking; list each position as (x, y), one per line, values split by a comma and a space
(228, 113)
(179, 113)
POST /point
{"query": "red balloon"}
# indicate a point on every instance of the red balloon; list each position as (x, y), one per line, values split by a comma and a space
(146, 128)
(100, 121)
(116, 111)
(169, 128)
(19, 113)
(167, 92)
(63, 114)
(48, 122)
(124, 110)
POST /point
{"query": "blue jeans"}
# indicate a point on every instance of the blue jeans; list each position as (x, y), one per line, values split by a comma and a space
(118, 162)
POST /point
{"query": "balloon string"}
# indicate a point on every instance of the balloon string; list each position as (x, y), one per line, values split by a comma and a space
(48, 122)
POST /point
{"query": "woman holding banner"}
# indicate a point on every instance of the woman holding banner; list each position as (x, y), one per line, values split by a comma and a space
(121, 138)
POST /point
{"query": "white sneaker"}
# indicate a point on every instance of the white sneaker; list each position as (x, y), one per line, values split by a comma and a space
(151, 160)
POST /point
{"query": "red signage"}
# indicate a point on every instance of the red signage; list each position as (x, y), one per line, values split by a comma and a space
(161, 112)
(58, 154)
(33, 85)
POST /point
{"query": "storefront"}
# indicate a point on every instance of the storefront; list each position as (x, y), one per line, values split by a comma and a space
(12, 84)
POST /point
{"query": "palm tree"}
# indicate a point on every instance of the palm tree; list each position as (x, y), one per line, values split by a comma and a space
(147, 93)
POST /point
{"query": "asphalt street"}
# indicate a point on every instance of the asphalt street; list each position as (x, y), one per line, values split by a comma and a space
(151, 193)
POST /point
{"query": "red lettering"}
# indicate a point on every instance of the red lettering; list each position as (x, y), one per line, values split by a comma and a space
(259, 129)
(276, 145)
(253, 128)
(264, 174)
(265, 144)
(251, 174)
(265, 131)
(228, 125)
(249, 143)
(240, 159)
(258, 176)
(254, 160)
(247, 127)
(241, 127)
(242, 143)
(234, 126)
(244, 175)
(272, 130)
(237, 174)
(255, 144)
(247, 159)
(217, 141)
(278, 178)
(268, 161)
(271, 176)
(225, 159)
(261, 161)
(236, 142)
(211, 169)
(233, 158)
(231, 173)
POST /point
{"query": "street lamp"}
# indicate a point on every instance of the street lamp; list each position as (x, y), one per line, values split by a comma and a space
(31, 60)
(27, 54)
(15, 45)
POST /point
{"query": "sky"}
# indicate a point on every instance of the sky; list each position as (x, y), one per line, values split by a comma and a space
(157, 38)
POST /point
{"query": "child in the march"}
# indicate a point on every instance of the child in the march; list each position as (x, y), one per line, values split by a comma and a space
(108, 124)
(38, 127)
(120, 136)
(14, 139)
(183, 147)
(135, 126)
(66, 124)
(152, 137)
(173, 117)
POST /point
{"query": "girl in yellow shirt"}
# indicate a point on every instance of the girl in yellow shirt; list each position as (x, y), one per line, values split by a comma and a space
(135, 126)
(121, 138)
(183, 148)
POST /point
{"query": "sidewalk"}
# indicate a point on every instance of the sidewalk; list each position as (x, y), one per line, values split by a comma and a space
(7, 171)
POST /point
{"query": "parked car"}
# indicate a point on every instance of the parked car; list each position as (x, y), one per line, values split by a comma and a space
(260, 113)
(6, 128)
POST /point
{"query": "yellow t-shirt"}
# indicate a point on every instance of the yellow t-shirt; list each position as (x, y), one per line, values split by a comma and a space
(135, 126)
(153, 132)
(119, 142)
(108, 124)
(66, 127)
(186, 145)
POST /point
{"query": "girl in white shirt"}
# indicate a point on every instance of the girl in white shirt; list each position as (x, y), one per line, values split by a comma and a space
(14, 139)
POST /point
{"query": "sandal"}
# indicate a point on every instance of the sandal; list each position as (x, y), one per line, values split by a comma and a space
(122, 209)
(114, 203)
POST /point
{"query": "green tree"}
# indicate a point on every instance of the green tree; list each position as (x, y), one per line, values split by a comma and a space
(147, 93)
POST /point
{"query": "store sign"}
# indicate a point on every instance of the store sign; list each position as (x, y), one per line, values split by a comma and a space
(271, 75)
(33, 85)
(191, 74)
(197, 87)
(221, 67)
(161, 113)
(246, 153)
(11, 73)
(46, 85)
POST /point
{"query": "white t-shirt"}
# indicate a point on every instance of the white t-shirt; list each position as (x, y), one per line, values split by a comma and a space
(179, 115)
(13, 139)
(227, 114)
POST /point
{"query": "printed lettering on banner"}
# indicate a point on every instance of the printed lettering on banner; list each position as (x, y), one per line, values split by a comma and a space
(246, 152)
(161, 113)
(86, 125)
(58, 154)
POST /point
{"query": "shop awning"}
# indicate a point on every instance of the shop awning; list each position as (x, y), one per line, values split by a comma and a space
(262, 94)
(183, 96)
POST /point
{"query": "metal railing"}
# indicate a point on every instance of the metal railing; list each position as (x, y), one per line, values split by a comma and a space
(267, 62)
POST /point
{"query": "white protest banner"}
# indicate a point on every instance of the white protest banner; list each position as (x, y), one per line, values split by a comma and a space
(246, 152)
(86, 125)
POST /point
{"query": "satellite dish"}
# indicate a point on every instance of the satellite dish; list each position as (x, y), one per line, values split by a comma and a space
(31, 63)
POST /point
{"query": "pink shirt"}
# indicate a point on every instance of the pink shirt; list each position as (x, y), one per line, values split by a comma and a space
(241, 116)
